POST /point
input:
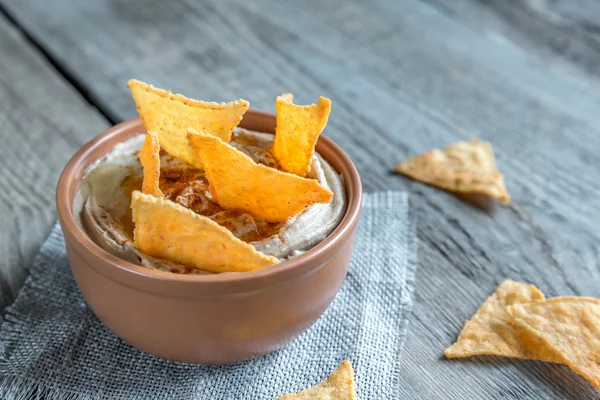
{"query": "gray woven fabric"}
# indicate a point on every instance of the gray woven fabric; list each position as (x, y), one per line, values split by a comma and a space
(53, 347)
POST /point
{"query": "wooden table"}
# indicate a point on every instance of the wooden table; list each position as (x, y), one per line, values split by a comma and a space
(404, 76)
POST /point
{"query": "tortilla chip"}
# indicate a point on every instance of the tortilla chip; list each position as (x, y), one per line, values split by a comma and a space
(150, 159)
(167, 230)
(298, 128)
(569, 327)
(339, 386)
(170, 115)
(464, 167)
(236, 181)
(489, 331)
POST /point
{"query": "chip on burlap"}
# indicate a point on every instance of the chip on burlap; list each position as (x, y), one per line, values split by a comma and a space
(464, 167)
(339, 386)
(490, 332)
(569, 327)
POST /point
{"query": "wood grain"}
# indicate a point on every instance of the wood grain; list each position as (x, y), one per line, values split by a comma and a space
(566, 29)
(42, 122)
(403, 77)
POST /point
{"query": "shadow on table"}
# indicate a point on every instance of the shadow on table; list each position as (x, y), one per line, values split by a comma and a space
(478, 201)
(563, 382)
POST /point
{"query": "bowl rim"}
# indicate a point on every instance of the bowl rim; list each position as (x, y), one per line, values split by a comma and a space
(286, 270)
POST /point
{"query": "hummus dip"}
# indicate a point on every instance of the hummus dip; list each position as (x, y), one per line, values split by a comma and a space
(102, 203)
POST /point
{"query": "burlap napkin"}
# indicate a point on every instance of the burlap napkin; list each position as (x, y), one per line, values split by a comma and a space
(53, 347)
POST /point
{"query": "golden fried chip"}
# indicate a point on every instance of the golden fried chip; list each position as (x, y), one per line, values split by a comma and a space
(167, 230)
(236, 181)
(297, 131)
(464, 167)
(150, 159)
(170, 115)
(489, 331)
(567, 326)
(339, 386)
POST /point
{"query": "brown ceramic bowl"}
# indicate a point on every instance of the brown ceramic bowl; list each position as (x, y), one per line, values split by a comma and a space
(207, 319)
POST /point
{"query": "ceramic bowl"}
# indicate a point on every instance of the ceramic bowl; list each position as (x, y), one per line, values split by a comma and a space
(207, 319)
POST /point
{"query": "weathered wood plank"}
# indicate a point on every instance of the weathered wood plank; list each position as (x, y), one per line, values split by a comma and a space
(403, 77)
(568, 29)
(42, 122)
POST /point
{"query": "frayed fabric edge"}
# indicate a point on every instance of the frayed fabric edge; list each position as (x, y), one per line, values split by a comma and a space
(19, 388)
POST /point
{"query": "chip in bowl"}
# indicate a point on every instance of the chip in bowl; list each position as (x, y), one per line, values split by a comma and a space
(166, 209)
(150, 160)
(297, 131)
(169, 115)
(167, 230)
(236, 181)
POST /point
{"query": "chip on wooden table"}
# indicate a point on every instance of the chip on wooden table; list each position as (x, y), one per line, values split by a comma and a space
(236, 181)
(464, 167)
(150, 160)
(569, 327)
(167, 230)
(169, 115)
(489, 331)
(339, 386)
(297, 131)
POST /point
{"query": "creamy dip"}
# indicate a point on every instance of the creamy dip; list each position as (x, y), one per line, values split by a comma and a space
(102, 203)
